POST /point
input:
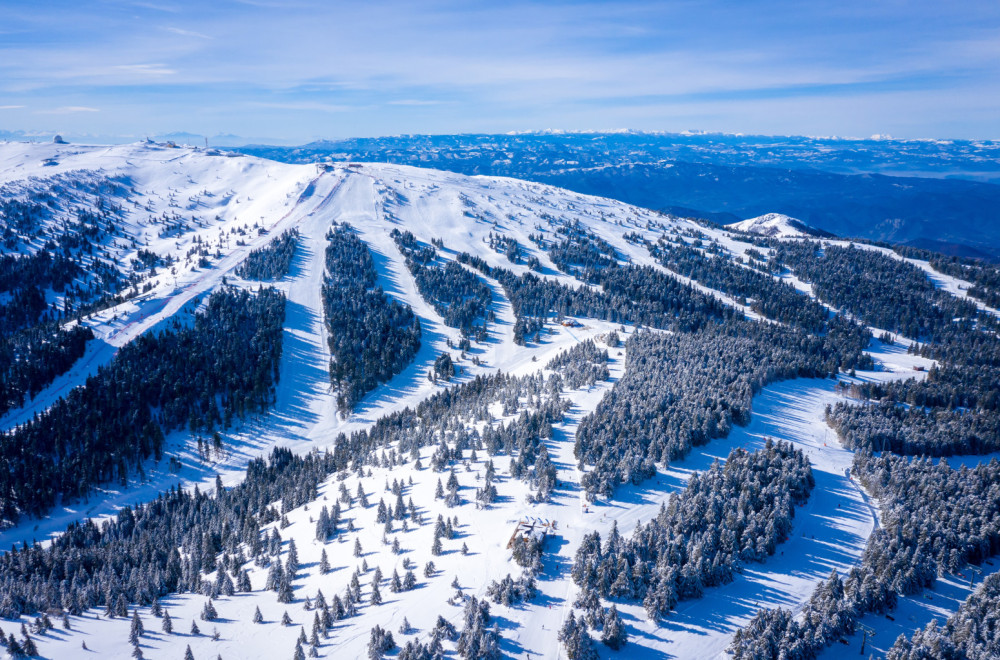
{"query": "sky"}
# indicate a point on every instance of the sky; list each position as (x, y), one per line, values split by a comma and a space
(296, 70)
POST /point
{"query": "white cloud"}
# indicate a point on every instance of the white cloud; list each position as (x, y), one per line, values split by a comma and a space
(68, 110)
(146, 69)
(187, 33)
(10, 107)
(305, 105)
(414, 102)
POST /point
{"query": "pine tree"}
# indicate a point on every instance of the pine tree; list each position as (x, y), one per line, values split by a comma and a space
(614, 635)
(136, 629)
(187, 654)
(257, 616)
(243, 582)
(292, 562)
(167, 625)
(208, 612)
(275, 576)
(285, 594)
(194, 628)
(324, 563)
(28, 646)
(323, 525)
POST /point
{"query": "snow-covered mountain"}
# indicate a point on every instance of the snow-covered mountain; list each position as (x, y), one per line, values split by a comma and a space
(777, 225)
(900, 191)
(529, 301)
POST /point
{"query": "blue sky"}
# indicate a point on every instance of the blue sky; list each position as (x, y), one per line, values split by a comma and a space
(303, 69)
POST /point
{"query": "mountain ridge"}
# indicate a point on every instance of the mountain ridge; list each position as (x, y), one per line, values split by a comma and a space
(579, 359)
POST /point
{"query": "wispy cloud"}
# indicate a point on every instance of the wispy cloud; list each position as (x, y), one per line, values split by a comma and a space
(68, 110)
(145, 69)
(414, 102)
(10, 107)
(187, 33)
(498, 66)
(172, 9)
(304, 106)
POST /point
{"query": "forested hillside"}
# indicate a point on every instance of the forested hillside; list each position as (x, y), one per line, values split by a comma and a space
(371, 336)
(357, 410)
(203, 377)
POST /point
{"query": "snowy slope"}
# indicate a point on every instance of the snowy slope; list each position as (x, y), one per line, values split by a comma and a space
(221, 195)
(776, 225)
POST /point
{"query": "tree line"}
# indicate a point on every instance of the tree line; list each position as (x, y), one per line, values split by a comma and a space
(910, 430)
(174, 542)
(371, 336)
(683, 389)
(971, 633)
(272, 261)
(223, 366)
(579, 253)
(638, 295)
(734, 512)
(935, 519)
(764, 294)
(887, 293)
(984, 276)
(462, 299)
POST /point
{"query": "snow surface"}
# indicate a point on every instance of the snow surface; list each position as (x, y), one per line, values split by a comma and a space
(230, 192)
(773, 225)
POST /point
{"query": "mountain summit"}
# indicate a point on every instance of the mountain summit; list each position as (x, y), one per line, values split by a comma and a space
(778, 225)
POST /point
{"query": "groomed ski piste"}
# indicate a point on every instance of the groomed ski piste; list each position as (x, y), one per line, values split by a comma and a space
(229, 192)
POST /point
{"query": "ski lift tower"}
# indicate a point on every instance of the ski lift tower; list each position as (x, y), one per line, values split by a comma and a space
(866, 632)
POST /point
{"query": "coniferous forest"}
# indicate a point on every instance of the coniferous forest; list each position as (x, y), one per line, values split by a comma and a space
(170, 544)
(768, 297)
(371, 336)
(923, 534)
(203, 377)
(972, 633)
(682, 390)
(461, 298)
(565, 441)
(732, 513)
(272, 261)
